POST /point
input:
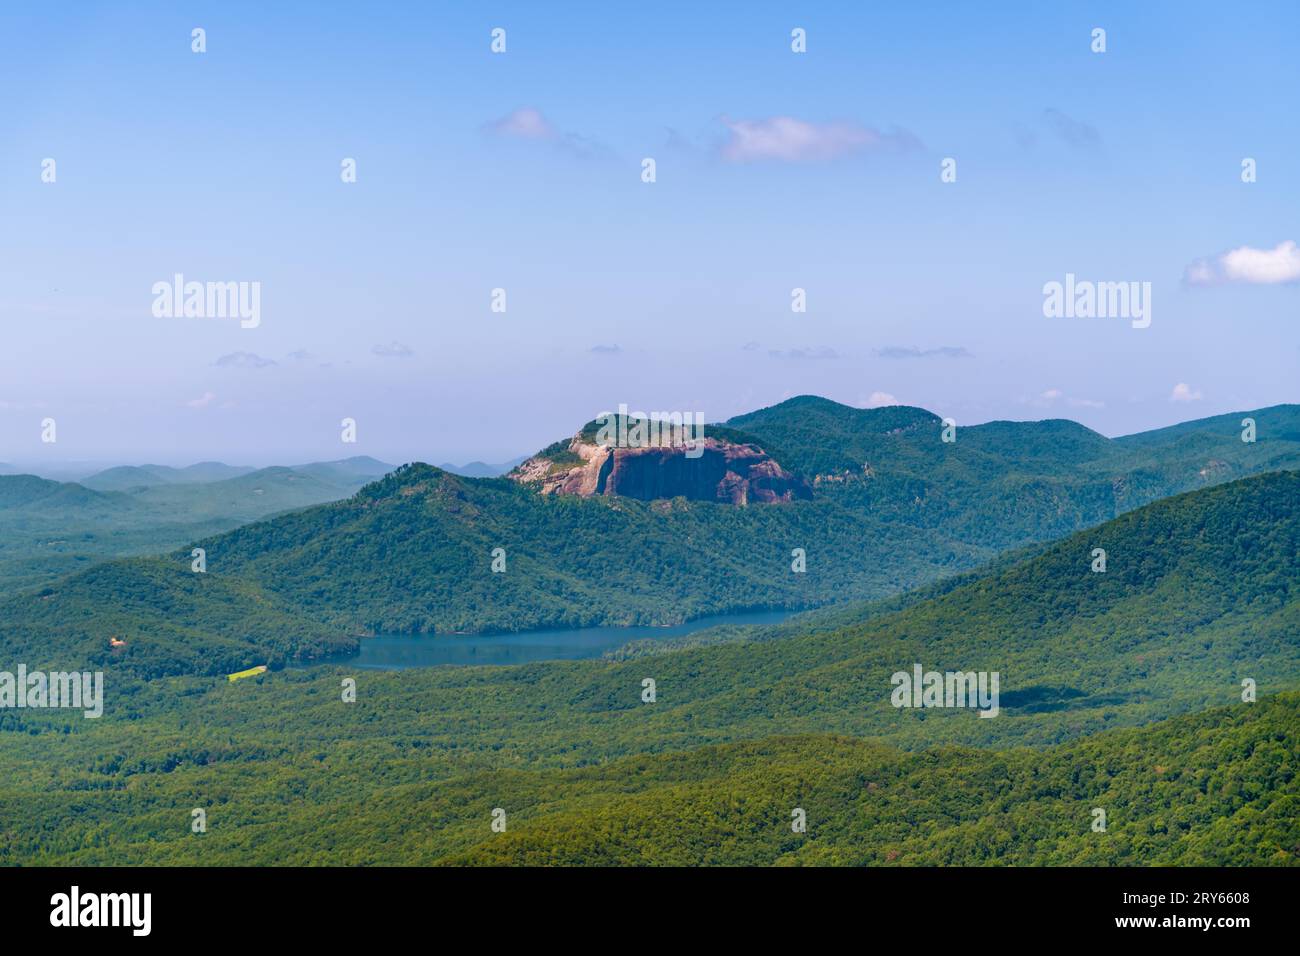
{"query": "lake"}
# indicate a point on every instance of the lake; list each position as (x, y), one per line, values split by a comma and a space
(400, 651)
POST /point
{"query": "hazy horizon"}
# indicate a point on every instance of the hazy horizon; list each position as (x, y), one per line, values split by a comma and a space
(53, 463)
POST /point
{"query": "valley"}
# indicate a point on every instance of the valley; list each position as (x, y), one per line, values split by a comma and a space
(51, 528)
(1198, 596)
(1124, 689)
(412, 553)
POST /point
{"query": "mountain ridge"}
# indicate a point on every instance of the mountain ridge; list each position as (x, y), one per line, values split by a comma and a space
(1120, 689)
(415, 551)
(48, 527)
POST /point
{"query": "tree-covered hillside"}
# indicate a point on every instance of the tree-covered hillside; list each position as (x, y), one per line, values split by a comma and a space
(1004, 484)
(413, 553)
(1198, 597)
(1217, 788)
(49, 529)
(894, 507)
(1214, 788)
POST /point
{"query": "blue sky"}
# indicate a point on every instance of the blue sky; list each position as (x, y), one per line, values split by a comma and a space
(521, 171)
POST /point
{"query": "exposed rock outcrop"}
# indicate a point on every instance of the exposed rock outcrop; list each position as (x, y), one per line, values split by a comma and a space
(715, 470)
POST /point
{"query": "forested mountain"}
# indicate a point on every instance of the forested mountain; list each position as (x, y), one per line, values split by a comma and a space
(1003, 484)
(1199, 596)
(589, 774)
(479, 469)
(1216, 788)
(414, 552)
(126, 477)
(50, 528)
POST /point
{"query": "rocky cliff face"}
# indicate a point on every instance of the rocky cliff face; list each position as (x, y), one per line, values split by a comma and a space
(718, 471)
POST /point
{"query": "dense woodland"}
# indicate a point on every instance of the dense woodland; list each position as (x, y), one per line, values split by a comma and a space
(1213, 788)
(49, 529)
(411, 553)
(1120, 690)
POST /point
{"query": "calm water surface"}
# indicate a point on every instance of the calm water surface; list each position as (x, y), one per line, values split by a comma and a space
(398, 651)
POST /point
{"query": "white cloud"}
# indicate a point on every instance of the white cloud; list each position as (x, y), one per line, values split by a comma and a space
(243, 360)
(1072, 131)
(203, 401)
(879, 400)
(529, 124)
(1185, 393)
(802, 354)
(1053, 395)
(1249, 265)
(791, 140)
(393, 349)
(526, 123)
(912, 352)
